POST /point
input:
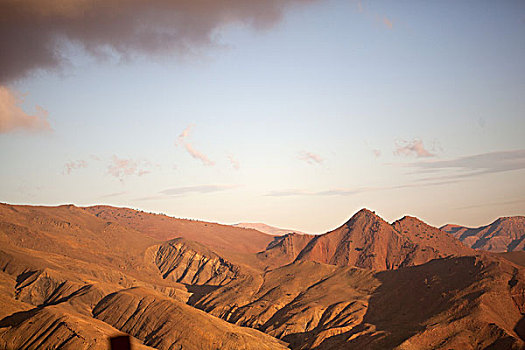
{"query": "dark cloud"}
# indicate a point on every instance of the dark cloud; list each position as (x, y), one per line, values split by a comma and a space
(34, 32)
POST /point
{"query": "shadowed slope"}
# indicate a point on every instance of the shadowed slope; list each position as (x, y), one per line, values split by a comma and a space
(461, 302)
(167, 324)
(503, 235)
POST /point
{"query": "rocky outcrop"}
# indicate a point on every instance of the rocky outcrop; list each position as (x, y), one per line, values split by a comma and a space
(284, 249)
(191, 263)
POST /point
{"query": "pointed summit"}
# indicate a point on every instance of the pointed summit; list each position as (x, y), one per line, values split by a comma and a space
(364, 214)
(366, 240)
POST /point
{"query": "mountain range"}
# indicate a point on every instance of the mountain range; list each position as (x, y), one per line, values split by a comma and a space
(71, 277)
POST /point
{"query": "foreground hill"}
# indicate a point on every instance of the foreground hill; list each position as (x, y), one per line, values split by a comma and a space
(474, 302)
(70, 277)
(506, 234)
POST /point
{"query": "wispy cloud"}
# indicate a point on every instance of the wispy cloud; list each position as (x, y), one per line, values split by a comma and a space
(180, 191)
(387, 22)
(121, 168)
(183, 140)
(176, 191)
(234, 162)
(412, 148)
(329, 192)
(484, 163)
(355, 191)
(13, 117)
(374, 16)
(74, 164)
(115, 194)
(493, 204)
(310, 158)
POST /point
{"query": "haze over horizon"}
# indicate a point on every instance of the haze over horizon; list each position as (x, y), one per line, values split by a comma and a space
(295, 114)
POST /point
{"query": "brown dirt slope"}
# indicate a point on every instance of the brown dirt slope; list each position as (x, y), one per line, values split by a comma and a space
(69, 278)
(368, 241)
(506, 234)
(284, 249)
(166, 324)
(57, 264)
(466, 302)
(161, 227)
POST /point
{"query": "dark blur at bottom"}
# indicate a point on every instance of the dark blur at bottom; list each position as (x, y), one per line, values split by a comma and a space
(120, 342)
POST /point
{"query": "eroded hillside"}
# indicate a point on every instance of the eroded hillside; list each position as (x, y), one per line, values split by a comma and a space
(70, 277)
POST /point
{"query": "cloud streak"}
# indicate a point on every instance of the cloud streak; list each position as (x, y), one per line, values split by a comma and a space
(177, 191)
(329, 192)
(180, 191)
(310, 158)
(13, 118)
(34, 33)
(182, 140)
(412, 148)
(484, 163)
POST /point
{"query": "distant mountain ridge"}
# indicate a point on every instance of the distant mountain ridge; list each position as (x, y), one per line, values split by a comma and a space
(506, 234)
(271, 230)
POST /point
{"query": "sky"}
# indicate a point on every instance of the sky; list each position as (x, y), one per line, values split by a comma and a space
(288, 112)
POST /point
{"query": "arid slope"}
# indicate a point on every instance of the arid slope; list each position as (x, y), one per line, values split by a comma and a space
(70, 277)
(368, 241)
(506, 234)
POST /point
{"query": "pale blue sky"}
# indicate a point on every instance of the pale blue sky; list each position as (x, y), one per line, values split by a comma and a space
(336, 80)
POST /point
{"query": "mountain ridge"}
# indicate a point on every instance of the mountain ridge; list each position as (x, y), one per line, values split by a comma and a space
(84, 277)
(505, 234)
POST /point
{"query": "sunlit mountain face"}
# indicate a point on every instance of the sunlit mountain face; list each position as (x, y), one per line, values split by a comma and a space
(193, 174)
